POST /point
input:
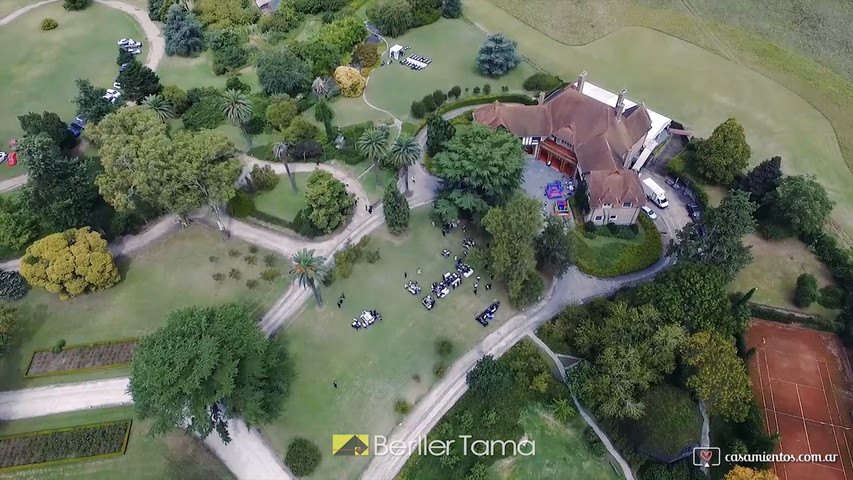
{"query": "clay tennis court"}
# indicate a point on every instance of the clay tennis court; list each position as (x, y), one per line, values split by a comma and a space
(802, 379)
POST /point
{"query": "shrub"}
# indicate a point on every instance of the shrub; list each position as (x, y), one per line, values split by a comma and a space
(318, 6)
(831, 297)
(504, 98)
(366, 54)
(444, 347)
(205, 113)
(439, 369)
(630, 258)
(270, 274)
(251, 284)
(235, 274)
(372, 256)
(72, 5)
(233, 252)
(60, 344)
(49, 24)
(541, 82)
(253, 249)
(12, 286)
(213, 259)
(250, 259)
(476, 91)
(178, 98)
(418, 109)
(807, 291)
(676, 166)
(402, 407)
(350, 80)
(302, 457)
(329, 277)
(263, 179)
(487, 89)
(269, 260)
(241, 205)
(218, 276)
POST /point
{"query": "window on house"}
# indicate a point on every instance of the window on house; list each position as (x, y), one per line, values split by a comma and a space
(627, 204)
(607, 205)
(598, 218)
(613, 217)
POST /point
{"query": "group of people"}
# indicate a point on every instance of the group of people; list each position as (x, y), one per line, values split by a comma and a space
(366, 319)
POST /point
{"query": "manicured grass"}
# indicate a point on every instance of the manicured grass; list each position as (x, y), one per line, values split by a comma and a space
(375, 367)
(610, 256)
(196, 72)
(9, 6)
(39, 72)
(172, 456)
(701, 89)
(173, 273)
(349, 111)
(452, 45)
(237, 137)
(282, 201)
(775, 269)
(561, 451)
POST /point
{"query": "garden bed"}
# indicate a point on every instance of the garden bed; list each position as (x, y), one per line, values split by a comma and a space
(78, 358)
(610, 257)
(74, 444)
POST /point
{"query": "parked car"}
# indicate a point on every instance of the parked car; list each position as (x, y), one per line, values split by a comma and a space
(125, 42)
(123, 67)
(116, 85)
(651, 213)
(80, 119)
(134, 51)
(694, 211)
(111, 95)
(700, 229)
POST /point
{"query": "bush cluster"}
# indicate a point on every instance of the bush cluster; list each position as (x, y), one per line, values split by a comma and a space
(302, 457)
(807, 290)
(630, 258)
(205, 111)
(541, 82)
(78, 442)
(227, 50)
(263, 179)
(831, 297)
(49, 24)
(402, 407)
(347, 257)
(12, 286)
(241, 204)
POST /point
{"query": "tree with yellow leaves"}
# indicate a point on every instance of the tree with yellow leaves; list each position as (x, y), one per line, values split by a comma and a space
(351, 82)
(70, 263)
(744, 473)
(717, 374)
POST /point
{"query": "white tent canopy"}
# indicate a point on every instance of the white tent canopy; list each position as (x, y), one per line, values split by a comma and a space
(396, 50)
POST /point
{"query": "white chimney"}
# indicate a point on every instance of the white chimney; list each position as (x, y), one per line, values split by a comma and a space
(581, 81)
(620, 104)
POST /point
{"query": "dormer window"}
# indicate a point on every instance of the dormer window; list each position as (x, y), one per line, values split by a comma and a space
(607, 205)
(627, 204)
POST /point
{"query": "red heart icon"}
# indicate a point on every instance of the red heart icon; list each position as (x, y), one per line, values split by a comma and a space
(706, 455)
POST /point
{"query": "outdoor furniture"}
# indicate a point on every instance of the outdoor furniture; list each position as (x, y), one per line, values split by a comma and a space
(452, 279)
(412, 287)
(468, 243)
(445, 253)
(428, 302)
(464, 268)
(440, 290)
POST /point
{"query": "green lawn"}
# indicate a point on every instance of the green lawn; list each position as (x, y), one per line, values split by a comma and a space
(452, 45)
(39, 72)
(375, 367)
(173, 273)
(188, 73)
(174, 456)
(561, 451)
(282, 201)
(9, 6)
(349, 111)
(701, 89)
(608, 256)
(364, 172)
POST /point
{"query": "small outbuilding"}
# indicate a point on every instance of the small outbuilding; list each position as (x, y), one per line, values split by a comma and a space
(396, 51)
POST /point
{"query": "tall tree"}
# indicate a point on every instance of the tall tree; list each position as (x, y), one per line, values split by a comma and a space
(18, 226)
(391, 17)
(489, 378)
(554, 247)
(307, 150)
(478, 168)
(801, 202)
(451, 8)
(237, 109)
(396, 209)
(724, 154)
(280, 149)
(725, 227)
(59, 189)
(73, 5)
(745, 473)
(123, 56)
(763, 179)
(281, 71)
(208, 365)
(323, 113)
(51, 125)
(159, 105)
(404, 152)
(718, 374)
(498, 55)
(184, 36)
(514, 229)
(307, 270)
(328, 201)
(138, 81)
(90, 103)
(439, 130)
(373, 143)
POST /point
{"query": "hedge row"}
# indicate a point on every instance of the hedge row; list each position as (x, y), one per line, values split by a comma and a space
(301, 224)
(93, 345)
(630, 258)
(500, 97)
(64, 445)
(780, 315)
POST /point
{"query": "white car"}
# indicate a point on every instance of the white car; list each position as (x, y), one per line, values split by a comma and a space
(111, 95)
(125, 42)
(135, 51)
(116, 85)
(651, 213)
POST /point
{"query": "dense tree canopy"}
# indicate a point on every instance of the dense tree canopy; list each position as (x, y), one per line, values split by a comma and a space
(489, 377)
(207, 365)
(745, 473)
(439, 131)
(138, 81)
(802, 203)
(554, 247)
(70, 263)
(391, 17)
(498, 55)
(281, 71)
(724, 227)
(18, 226)
(724, 154)
(184, 36)
(328, 200)
(219, 14)
(479, 168)
(89, 102)
(396, 209)
(49, 124)
(280, 113)
(451, 8)
(59, 190)
(344, 32)
(763, 179)
(718, 374)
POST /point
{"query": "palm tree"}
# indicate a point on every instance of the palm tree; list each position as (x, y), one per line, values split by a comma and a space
(320, 87)
(237, 109)
(280, 150)
(162, 107)
(308, 270)
(374, 144)
(563, 410)
(405, 151)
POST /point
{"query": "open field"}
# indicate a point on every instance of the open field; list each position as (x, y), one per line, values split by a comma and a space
(349, 111)
(169, 457)
(561, 451)
(452, 45)
(196, 72)
(172, 273)
(39, 72)
(376, 366)
(701, 89)
(9, 6)
(282, 202)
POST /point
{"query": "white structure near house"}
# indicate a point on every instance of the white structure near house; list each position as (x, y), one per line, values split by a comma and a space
(396, 51)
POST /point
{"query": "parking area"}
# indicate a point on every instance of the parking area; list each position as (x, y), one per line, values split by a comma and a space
(673, 218)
